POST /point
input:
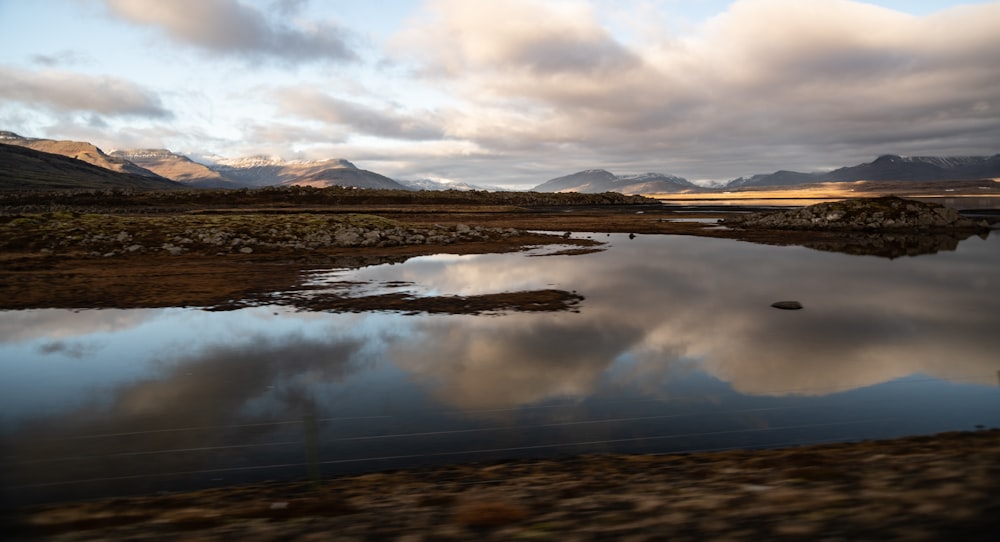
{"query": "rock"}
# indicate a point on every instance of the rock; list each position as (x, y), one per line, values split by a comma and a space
(347, 238)
(787, 305)
(172, 250)
(246, 250)
(860, 214)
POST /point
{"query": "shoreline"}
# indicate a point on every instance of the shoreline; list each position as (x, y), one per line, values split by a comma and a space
(910, 488)
(158, 260)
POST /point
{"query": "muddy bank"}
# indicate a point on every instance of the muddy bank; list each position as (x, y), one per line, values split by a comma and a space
(229, 260)
(918, 488)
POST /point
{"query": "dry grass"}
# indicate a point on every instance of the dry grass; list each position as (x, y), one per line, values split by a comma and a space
(486, 514)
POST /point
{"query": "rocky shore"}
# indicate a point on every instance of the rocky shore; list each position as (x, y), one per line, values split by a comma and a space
(861, 214)
(942, 487)
(106, 235)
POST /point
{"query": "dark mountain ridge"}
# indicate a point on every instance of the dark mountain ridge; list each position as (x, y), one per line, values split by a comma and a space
(888, 167)
(27, 169)
(81, 150)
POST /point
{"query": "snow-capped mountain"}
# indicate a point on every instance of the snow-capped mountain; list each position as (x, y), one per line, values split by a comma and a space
(256, 171)
(430, 184)
(336, 173)
(247, 162)
(600, 180)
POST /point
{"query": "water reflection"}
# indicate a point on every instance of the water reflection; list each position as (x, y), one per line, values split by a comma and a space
(885, 245)
(675, 347)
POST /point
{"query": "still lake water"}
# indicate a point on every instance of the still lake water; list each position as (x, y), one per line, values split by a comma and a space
(675, 348)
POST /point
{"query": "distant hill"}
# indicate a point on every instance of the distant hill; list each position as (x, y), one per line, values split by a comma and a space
(594, 181)
(341, 173)
(81, 150)
(888, 167)
(248, 172)
(24, 168)
(258, 171)
(778, 178)
(175, 166)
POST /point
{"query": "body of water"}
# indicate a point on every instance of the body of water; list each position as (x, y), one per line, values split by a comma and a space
(674, 348)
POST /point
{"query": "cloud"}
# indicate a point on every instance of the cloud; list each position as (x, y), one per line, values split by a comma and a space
(539, 39)
(766, 84)
(231, 27)
(65, 57)
(67, 91)
(312, 104)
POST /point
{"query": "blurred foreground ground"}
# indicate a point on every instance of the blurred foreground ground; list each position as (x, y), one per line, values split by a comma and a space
(919, 488)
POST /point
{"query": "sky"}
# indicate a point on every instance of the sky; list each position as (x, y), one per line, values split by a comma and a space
(510, 93)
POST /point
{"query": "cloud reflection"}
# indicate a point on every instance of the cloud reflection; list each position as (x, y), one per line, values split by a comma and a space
(651, 305)
(666, 303)
(223, 397)
(29, 325)
(482, 365)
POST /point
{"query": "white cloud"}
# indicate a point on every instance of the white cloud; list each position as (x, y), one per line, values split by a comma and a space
(68, 91)
(521, 91)
(311, 104)
(232, 27)
(766, 76)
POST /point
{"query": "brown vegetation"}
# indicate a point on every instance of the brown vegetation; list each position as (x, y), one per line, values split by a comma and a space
(918, 488)
(221, 249)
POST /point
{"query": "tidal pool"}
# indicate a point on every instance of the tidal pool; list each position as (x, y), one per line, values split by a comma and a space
(674, 348)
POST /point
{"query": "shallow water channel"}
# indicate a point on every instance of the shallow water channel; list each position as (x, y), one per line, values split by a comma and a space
(674, 348)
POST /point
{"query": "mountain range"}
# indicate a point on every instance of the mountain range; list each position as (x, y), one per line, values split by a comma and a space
(24, 168)
(595, 181)
(889, 167)
(250, 172)
(256, 171)
(154, 167)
